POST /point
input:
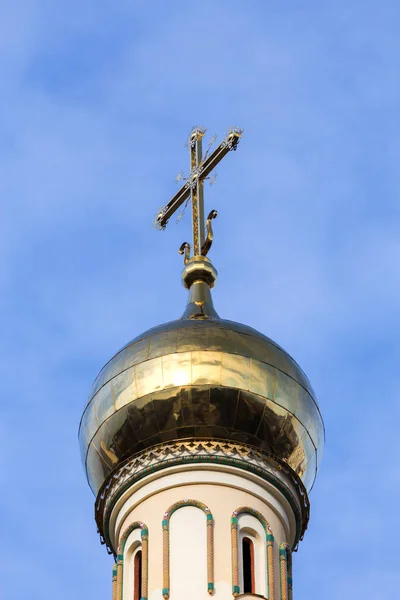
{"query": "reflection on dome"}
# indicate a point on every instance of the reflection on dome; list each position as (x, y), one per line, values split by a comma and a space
(201, 378)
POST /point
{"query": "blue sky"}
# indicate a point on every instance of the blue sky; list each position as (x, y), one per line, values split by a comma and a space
(97, 100)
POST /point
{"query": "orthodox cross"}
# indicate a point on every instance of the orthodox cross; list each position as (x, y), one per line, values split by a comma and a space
(192, 189)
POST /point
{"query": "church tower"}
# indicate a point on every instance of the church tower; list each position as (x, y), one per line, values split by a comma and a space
(201, 440)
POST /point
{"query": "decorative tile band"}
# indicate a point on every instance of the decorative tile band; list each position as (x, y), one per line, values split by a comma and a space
(119, 567)
(210, 544)
(270, 566)
(118, 586)
(235, 549)
(235, 556)
(145, 564)
(114, 582)
(216, 452)
(285, 562)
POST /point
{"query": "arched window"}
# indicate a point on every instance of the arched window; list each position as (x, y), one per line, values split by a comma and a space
(137, 575)
(133, 559)
(130, 574)
(248, 566)
(133, 571)
(252, 554)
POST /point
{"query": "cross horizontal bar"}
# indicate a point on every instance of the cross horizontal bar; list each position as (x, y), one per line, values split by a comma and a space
(169, 209)
(228, 144)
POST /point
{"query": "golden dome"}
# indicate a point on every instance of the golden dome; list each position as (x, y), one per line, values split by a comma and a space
(201, 377)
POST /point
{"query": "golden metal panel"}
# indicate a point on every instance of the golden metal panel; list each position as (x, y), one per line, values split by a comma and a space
(235, 371)
(90, 422)
(182, 409)
(84, 433)
(177, 369)
(107, 456)
(249, 412)
(99, 381)
(143, 418)
(167, 407)
(149, 376)
(302, 378)
(97, 469)
(192, 339)
(302, 453)
(316, 432)
(271, 430)
(206, 368)
(204, 378)
(310, 471)
(223, 407)
(163, 343)
(124, 388)
(102, 404)
(219, 340)
(110, 370)
(117, 434)
(247, 345)
(200, 406)
(135, 354)
(287, 392)
(114, 367)
(262, 379)
(305, 407)
(83, 444)
(309, 467)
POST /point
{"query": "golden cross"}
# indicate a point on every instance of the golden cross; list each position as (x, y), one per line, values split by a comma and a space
(200, 169)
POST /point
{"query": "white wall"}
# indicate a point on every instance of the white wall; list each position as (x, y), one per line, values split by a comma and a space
(223, 491)
(188, 554)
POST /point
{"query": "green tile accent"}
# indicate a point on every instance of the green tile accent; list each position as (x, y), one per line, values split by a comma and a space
(206, 459)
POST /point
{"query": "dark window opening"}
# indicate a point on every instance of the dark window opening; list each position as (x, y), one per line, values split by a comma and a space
(138, 576)
(248, 566)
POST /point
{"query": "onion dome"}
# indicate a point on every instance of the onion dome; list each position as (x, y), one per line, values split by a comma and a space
(201, 377)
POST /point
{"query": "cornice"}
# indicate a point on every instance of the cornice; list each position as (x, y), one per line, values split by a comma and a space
(192, 452)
